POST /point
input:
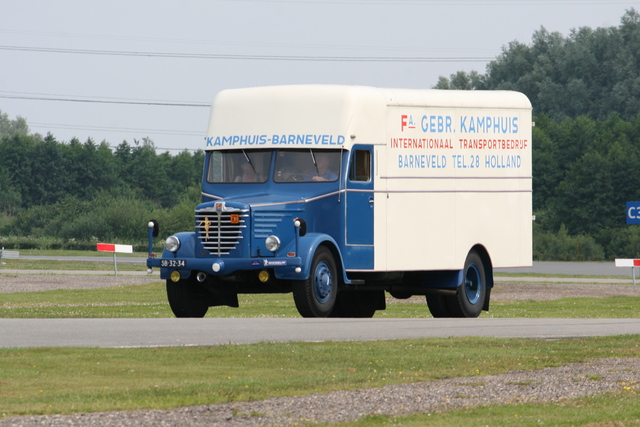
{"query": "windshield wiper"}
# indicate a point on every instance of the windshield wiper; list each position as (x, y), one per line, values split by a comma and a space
(313, 158)
(250, 162)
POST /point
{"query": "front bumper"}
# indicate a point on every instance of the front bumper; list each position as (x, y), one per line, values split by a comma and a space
(283, 267)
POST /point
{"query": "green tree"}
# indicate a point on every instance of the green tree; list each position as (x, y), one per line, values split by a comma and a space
(10, 198)
(9, 128)
(91, 168)
(16, 154)
(49, 181)
(147, 172)
(593, 193)
(461, 81)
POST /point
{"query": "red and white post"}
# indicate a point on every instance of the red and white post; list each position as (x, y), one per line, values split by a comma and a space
(110, 247)
(629, 263)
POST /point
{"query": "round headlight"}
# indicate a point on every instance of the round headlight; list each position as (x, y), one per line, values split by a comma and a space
(272, 243)
(172, 244)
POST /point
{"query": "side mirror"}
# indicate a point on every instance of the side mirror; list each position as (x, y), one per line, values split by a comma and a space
(156, 228)
(302, 224)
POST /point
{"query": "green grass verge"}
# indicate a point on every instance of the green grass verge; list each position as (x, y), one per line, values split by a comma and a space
(145, 301)
(65, 252)
(66, 380)
(620, 307)
(137, 301)
(29, 264)
(609, 410)
(564, 276)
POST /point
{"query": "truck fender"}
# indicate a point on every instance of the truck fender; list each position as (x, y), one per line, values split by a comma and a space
(307, 246)
(187, 250)
(187, 246)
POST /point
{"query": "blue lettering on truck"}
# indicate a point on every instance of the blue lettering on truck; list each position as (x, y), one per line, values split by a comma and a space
(488, 124)
(291, 139)
(436, 124)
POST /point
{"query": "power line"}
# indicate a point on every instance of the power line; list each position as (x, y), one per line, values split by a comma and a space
(114, 129)
(168, 149)
(38, 125)
(250, 57)
(447, 3)
(64, 98)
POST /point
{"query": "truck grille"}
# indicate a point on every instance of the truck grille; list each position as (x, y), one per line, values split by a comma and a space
(220, 232)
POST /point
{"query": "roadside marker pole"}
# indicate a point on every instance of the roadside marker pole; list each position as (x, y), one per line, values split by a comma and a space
(108, 247)
(629, 263)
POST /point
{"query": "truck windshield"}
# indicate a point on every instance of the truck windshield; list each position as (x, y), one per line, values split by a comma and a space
(307, 165)
(242, 166)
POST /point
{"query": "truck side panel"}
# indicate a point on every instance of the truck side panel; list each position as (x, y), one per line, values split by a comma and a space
(454, 178)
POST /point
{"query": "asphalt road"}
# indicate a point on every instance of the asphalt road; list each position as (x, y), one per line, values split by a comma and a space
(122, 333)
(573, 268)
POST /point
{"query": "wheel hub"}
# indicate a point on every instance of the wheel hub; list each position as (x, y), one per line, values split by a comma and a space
(472, 284)
(322, 283)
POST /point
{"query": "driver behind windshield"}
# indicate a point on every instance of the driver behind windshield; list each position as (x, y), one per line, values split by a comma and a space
(322, 169)
(307, 165)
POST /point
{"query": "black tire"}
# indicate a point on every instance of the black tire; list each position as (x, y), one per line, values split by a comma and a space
(316, 296)
(186, 299)
(360, 304)
(439, 305)
(400, 295)
(472, 293)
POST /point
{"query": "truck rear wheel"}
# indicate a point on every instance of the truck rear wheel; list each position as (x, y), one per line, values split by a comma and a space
(185, 299)
(473, 291)
(439, 305)
(316, 296)
(470, 296)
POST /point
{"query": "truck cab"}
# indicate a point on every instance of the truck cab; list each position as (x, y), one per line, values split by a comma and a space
(266, 214)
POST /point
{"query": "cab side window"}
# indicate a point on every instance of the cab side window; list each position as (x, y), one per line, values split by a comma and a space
(360, 169)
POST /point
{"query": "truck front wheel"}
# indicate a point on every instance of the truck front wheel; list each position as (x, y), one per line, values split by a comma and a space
(316, 296)
(185, 299)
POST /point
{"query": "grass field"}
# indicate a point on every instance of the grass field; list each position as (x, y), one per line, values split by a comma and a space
(106, 265)
(69, 253)
(145, 301)
(65, 380)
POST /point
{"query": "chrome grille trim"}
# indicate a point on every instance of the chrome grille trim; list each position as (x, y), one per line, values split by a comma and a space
(216, 232)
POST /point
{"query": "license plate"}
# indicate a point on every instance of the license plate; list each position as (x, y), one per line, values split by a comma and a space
(173, 263)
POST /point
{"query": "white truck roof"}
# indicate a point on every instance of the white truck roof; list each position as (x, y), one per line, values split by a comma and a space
(328, 116)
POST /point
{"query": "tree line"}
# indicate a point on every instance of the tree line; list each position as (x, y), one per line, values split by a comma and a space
(83, 192)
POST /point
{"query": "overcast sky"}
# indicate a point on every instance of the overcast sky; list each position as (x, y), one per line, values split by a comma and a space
(127, 69)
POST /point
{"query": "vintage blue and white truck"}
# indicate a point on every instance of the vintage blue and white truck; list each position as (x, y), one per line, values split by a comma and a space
(340, 194)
